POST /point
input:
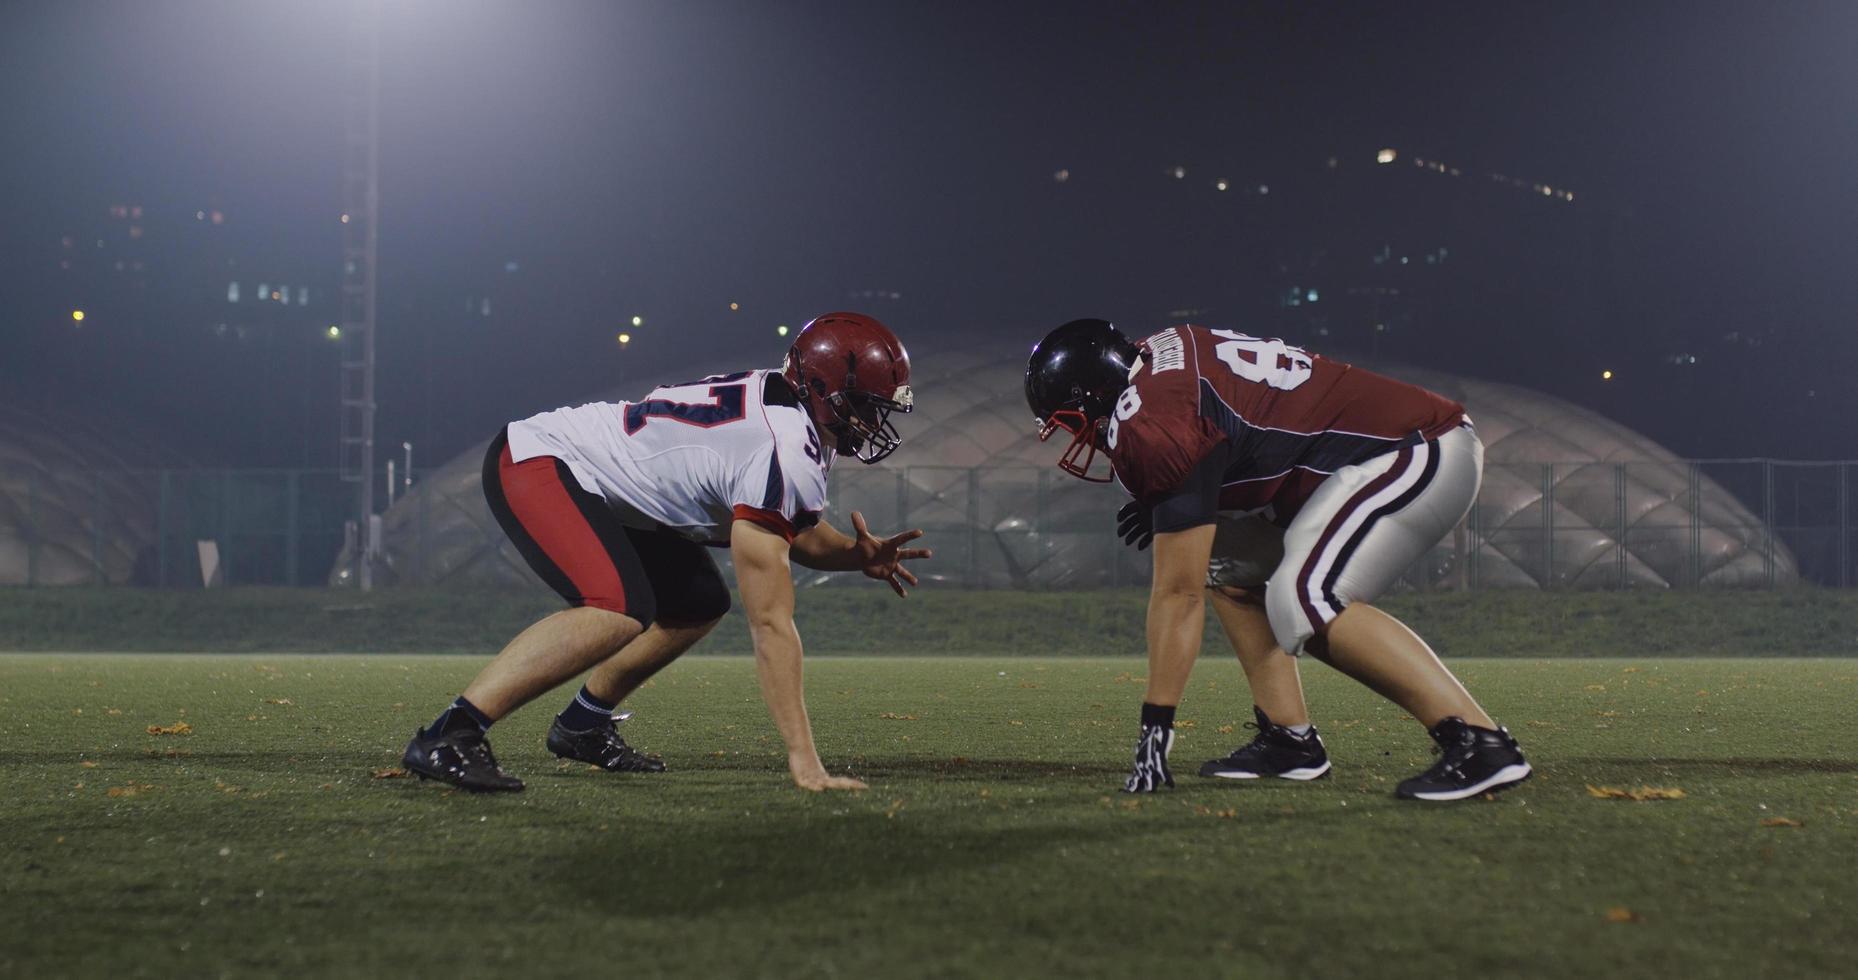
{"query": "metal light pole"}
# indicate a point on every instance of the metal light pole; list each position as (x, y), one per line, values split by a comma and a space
(360, 211)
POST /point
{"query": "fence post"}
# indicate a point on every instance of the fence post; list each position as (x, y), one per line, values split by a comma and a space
(225, 527)
(1619, 502)
(291, 528)
(30, 530)
(1548, 525)
(161, 531)
(1845, 562)
(1474, 542)
(419, 533)
(1767, 519)
(96, 527)
(974, 527)
(1696, 525)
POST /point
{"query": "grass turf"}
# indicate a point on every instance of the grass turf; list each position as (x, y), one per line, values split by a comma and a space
(991, 843)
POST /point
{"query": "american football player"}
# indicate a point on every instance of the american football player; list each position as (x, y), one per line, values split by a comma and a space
(612, 505)
(1313, 483)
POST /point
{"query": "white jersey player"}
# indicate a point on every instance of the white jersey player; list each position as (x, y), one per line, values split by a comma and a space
(612, 503)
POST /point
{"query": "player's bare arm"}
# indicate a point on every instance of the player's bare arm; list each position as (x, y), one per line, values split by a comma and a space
(1176, 610)
(827, 549)
(767, 587)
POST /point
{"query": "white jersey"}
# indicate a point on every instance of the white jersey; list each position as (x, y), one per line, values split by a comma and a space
(692, 458)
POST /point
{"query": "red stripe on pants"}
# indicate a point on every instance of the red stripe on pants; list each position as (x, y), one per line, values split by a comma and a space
(536, 495)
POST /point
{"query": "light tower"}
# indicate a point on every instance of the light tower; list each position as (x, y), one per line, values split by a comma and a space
(360, 211)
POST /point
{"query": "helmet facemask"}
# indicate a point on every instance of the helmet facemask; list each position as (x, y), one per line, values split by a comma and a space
(1086, 435)
(861, 423)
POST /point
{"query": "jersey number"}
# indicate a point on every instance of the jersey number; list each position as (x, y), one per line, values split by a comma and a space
(1270, 362)
(728, 404)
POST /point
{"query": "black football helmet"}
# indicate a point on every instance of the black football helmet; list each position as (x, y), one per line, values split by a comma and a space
(1072, 382)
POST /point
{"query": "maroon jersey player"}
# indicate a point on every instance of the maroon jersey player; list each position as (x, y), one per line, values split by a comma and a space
(1297, 488)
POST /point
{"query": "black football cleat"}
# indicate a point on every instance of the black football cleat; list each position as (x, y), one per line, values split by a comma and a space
(601, 747)
(1275, 752)
(461, 758)
(1472, 761)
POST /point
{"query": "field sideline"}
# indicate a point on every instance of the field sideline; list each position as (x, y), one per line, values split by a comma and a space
(992, 841)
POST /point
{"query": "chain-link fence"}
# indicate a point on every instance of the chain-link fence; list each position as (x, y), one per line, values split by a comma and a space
(1679, 524)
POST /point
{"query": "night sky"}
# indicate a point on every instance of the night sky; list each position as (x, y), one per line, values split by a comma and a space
(579, 163)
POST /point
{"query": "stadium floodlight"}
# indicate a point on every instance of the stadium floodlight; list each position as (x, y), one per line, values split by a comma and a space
(1386, 156)
(624, 339)
(1606, 375)
(781, 330)
(638, 321)
(334, 332)
(77, 316)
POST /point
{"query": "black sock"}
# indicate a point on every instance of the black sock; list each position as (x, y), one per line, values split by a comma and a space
(586, 712)
(461, 714)
(1157, 715)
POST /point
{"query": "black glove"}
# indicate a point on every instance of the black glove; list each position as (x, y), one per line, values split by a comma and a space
(1151, 760)
(1135, 524)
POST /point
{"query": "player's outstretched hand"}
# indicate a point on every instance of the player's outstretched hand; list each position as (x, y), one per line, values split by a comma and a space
(1151, 760)
(883, 558)
(1135, 524)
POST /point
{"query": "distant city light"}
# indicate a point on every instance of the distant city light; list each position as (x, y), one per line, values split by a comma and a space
(735, 306)
(1264, 189)
(1313, 296)
(1386, 156)
(1061, 175)
(624, 339)
(345, 219)
(1606, 375)
(1178, 173)
(1221, 184)
(638, 321)
(77, 316)
(782, 330)
(334, 332)
(199, 215)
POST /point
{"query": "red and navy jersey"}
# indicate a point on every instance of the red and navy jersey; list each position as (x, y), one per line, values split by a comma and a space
(1283, 418)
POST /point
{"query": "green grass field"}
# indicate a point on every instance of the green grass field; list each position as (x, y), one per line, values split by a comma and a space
(991, 843)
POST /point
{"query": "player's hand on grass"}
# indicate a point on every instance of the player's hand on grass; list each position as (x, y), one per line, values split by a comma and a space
(1151, 760)
(883, 558)
(811, 775)
(1135, 524)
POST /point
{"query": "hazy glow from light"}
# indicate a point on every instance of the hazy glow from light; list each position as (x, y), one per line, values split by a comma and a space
(1386, 156)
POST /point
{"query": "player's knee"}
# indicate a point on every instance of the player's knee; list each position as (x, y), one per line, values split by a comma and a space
(1291, 625)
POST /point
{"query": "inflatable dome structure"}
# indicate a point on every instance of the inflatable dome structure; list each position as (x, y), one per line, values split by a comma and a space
(72, 511)
(1570, 499)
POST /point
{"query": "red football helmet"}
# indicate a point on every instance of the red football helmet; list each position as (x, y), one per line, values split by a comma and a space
(851, 372)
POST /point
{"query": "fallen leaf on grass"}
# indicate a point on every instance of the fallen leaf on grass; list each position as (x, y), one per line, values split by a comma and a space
(132, 789)
(891, 811)
(1224, 729)
(1641, 794)
(277, 701)
(1623, 915)
(178, 728)
(1781, 822)
(893, 716)
(392, 772)
(88, 764)
(1597, 687)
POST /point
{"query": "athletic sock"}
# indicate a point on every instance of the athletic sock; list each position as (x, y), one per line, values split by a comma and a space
(1299, 730)
(1157, 715)
(586, 712)
(461, 714)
